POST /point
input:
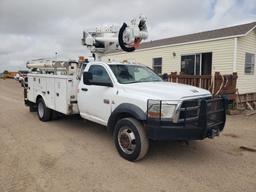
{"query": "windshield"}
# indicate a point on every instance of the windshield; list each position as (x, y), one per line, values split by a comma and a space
(126, 74)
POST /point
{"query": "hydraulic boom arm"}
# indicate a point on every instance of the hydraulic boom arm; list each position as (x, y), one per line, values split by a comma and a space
(107, 39)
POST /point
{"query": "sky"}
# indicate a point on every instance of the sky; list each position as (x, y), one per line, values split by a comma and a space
(32, 29)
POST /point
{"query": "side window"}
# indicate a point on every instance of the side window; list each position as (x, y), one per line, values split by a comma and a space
(99, 74)
(249, 63)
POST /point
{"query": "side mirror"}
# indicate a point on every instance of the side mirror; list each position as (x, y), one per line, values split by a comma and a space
(107, 84)
(87, 77)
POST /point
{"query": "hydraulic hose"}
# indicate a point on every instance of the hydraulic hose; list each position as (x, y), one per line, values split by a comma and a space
(121, 42)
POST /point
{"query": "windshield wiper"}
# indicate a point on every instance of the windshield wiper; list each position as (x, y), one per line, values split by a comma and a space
(130, 82)
(155, 80)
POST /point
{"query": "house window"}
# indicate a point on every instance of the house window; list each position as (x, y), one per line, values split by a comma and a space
(188, 64)
(196, 64)
(249, 63)
(157, 65)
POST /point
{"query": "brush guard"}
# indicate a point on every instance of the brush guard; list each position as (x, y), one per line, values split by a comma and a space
(213, 116)
(207, 119)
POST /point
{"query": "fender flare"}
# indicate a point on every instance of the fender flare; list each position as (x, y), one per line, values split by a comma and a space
(39, 96)
(125, 110)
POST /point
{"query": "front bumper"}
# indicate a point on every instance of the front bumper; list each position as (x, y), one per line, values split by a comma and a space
(209, 122)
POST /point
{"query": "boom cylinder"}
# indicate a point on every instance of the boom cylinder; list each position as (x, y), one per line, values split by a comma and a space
(43, 64)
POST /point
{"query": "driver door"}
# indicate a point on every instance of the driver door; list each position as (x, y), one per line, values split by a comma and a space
(95, 97)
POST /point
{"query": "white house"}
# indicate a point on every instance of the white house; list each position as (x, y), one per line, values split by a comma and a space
(225, 50)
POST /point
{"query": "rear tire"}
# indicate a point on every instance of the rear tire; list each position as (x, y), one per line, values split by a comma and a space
(130, 139)
(44, 113)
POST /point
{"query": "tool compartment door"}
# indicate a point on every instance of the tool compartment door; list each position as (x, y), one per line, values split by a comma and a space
(50, 93)
(30, 90)
(39, 86)
(60, 95)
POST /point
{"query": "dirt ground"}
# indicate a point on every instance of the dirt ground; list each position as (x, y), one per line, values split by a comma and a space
(72, 154)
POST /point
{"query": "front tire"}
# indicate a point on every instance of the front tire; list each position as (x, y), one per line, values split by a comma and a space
(44, 113)
(130, 139)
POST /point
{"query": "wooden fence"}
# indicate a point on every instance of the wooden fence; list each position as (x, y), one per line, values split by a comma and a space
(216, 84)
(202, 81)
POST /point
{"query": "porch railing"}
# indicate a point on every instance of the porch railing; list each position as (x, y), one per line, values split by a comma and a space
(216, 84)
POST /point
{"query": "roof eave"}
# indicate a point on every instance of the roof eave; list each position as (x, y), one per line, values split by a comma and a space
(186, 43)
(250, 30)
(191, 42)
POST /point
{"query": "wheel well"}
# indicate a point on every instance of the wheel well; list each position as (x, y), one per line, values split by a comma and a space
(38, 97)
(119, 116)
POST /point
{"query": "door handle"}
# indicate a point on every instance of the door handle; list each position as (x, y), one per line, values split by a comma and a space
(84, 89)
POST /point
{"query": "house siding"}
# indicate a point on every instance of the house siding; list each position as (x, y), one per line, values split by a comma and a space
(222, 55)
(246, 83)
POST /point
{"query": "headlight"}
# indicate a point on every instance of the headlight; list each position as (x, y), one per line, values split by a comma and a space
(160, 109)
(167, 110)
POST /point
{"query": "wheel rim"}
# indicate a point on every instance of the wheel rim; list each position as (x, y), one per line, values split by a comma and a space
(41, 110)
(127, 140)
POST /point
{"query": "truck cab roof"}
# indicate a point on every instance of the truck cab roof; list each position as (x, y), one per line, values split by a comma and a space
(116, 63)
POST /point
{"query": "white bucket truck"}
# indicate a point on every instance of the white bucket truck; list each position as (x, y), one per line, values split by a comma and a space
(133, 102)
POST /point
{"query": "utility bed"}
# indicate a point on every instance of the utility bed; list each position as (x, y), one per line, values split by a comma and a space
(58, 91)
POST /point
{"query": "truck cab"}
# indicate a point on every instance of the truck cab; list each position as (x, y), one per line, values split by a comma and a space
(135, 103)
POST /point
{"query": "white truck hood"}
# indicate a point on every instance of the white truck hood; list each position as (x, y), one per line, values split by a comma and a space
(165, 90)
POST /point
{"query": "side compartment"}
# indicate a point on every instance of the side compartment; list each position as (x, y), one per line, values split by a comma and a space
(50, 93)
(36, 86)
(72, 85)
(58, 91)
(30, 89)
(60, 95)
(39, 86)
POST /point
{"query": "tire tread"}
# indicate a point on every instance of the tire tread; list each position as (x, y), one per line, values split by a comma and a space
(144, 142)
